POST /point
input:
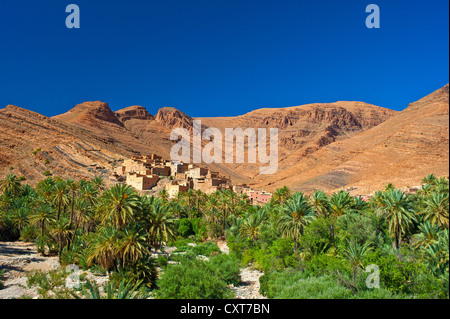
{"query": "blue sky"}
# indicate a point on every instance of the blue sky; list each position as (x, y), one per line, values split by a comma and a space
(220, 57)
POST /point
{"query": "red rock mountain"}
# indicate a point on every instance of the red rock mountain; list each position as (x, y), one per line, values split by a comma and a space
(325, 145)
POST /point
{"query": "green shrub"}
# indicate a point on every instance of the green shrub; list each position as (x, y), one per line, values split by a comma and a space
(278, 256)
(162, 261)
(47, 173)
(326, 265)
(227, 268)
(185, 228)
(29, 234)
(143, 273)
(291, 284)
(191, 280)
(2, 273)
(206, 249)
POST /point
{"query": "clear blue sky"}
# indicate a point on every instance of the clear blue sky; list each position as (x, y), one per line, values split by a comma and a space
(220, 57)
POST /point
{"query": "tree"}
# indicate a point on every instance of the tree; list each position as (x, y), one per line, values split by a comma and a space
(281, 195)
(437, 208)
(251, 225)
(59, 196)
(118, 205)
(103, 248)
(162, 224)
(73, 189)
(296, 214)
(10, 184)
(42, 216)
(61, 231)
(132, 245)
(398, 212)
(320, 202)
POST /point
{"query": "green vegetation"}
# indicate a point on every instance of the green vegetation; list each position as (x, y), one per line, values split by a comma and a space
(308, 246)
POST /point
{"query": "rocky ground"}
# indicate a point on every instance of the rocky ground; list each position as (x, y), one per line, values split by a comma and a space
(249, 286)
(17, 258)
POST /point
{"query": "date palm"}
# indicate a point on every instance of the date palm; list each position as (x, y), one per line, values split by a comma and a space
(397, 209)
(281, 195)
(162, 224)
(73, 190)
(429, 234)
(103, 248)
(59, 196)
(296, 213)
(62, 233)
(132, 245)
(42, 216)
(10, 184)
(436, 209)
(19, 217)
(118, 205)
(251, 224)
(320, 202)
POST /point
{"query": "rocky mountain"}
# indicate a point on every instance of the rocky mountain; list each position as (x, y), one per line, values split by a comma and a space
(323, 145)
(402, 150)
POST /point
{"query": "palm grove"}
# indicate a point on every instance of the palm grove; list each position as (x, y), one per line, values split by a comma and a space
(315, 246)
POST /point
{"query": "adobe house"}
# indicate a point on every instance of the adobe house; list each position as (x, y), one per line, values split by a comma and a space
(142, 182)
(260, 197)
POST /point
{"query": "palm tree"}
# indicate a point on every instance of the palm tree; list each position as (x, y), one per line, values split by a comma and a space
(398, 212)
(296, 214)
(436, 209)
(281, 195)
(132, 245)
(162, 224)
(42, 216)
(61, 231)
(340, 203)
(118, 205)
(60, 196)
(19, 217)
(98, 184)
(88, 192)
(103, 247)
(163, 195)
(251, 225)
(10, 184)
(429, 234)
(73, 189)
(320, 202)
(430, 179)
(355, 254)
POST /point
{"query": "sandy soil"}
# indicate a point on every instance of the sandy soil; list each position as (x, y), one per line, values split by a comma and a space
(17, 258)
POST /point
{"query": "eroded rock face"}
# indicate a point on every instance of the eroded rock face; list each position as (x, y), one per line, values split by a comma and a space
(317, 142)
(171, 118)
(89, 113)
(135, 112)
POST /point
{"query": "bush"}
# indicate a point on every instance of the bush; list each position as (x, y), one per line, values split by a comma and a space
(291, 284)
(2, 272)
(185, 228)
(326, 265)
(143, 272)
(206, 249)
(51, 285)
(278, 256)
(408, 277)
(227, 267)
(29, 234)
(191, 280)
(162, 261)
